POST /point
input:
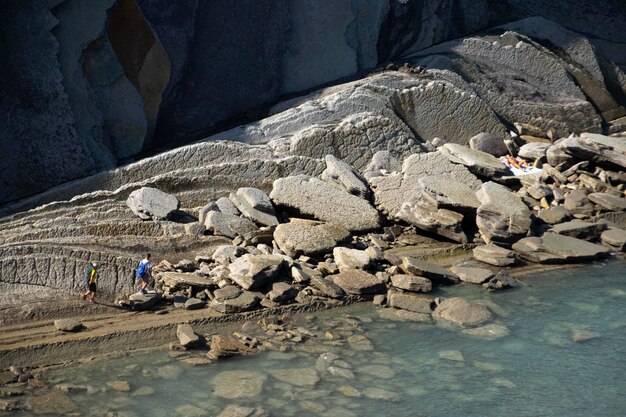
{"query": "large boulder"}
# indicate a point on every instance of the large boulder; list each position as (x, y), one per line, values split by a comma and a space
(245, 301)
(605, 151)
(488, 143)
(228, 225)
(553, 248)
(608, 201)
(478, 162)
(255, 205)
(462, 312)
(356, 281)
(494, 255)
(180, 280)
(580, 229)
(392, 191)
(578, 204)
(411, 283)
(533, 150)
(410, 302)
(308, 237)
(327, 287)
(251, 272)
(152, 204)
(502, 216)
(316, 198)
(425, 215)
(347, 258)
(448, 194)
(345, 177)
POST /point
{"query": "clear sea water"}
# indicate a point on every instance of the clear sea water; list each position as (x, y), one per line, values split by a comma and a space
(558, 349)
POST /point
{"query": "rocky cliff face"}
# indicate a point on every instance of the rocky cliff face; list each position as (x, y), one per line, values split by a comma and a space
(78, 98)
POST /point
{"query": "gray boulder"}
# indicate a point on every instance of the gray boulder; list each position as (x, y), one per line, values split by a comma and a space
(327, 287)
(580, 229)
(554, 215)
(355, 281)
(282, 292)
(180, 280)
(501, 280)
(228, 225)
(426, 216)
(502, 216)
(411, 283)
(344, 176)
(316, 198)
(472, 275)
(533, 151)
(227, 293)
(346, 258)
(245, 301)
(410, 302)
(614, 238)
(429, 270)
(462, 312)
(255, 205)
(193, 304)
(256, 271)
(577, 203)
(605, 151)
(226, 206)
(68, 325)
(152, 204)
(553, 248)
(477, 162)
(226, 254)
(186, 336)
(488, 143)
(142, 302)
(494, 255)
(448, 194)
(308, 237)
(608, 201)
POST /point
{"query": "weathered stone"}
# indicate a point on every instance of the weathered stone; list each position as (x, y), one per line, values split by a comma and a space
(307, 237)
(255, 271)
(179, 280)
(614, 238)
(577, 203)
(226, 254)
(472, 275)
(411, 283)
(282, 292)
(382, 162)
(316, 198)
(477, 162)
(68, 325)
(186, 336)
(494, 255)
(462, 312)
(554, 215)
(488, 143)
(608, 201)
(580, 229)
(502, 217)
(227, 346)
(243, 302)
(327, 287)
(555, 248)
(448, 194)
(233, 410)
(301, 377)
(501, 280)
(427, 217)
(71, 388)
(226, 206)
(226, 293)
(392, 191)
(238, 384)
(533, 151)
(142, 302)
(205, 209)
(121, 386)
(603, 150)
(228, 225)
(346, 177)
(346, 258)
(152, 204)
(255, 205)
(52, 402)
(193, 304)
(435, 273)
(356, 281)
(410, 302)
(396, 314)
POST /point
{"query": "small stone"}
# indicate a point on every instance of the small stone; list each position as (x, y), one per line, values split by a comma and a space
(193, 304)
(350, 258)
(411, 283)
(452, 355)
(186, 336)
(68, 325)
(472, 275)
(410, 302)
(121, 386)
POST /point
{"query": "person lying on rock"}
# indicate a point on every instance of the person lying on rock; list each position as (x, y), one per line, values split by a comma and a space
(91, 279)
(144, 273)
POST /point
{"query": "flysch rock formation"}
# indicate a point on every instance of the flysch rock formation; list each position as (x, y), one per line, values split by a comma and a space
(145, 74)
(391, 121)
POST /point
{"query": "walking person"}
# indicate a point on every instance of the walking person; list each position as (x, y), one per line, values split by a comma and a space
(144, 273)
(91, 279)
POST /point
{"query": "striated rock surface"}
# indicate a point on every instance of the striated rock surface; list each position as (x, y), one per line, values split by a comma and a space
(553, 248)
(316, 198)
(307, 237)
(502, 216)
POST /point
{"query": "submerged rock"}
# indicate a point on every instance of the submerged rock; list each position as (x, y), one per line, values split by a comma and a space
(462, 312)
(238, 384)
(227, 346)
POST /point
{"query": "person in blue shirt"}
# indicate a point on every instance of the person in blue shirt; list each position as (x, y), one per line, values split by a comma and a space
(143, 273)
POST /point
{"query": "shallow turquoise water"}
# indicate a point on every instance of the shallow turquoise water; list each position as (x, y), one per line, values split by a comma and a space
(561, 351)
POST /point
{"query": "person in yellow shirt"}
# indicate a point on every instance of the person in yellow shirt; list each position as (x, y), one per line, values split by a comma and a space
(91, 279)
